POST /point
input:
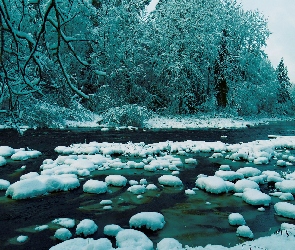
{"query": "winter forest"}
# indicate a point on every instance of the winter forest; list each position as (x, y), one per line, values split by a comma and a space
(67, 59)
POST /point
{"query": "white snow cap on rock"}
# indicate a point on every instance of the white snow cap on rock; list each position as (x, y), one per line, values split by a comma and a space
(212, 184)
(2, 161)
(86, 227)
(169, 244)
(116, 180)
(133, 239)
(65, 222)
(170, 180)
(4, 184)
(27, 188)
(287, 186)
(149, 220)
(63, 234)
(285, 209)
(256, 197)
(244, 231)
(84, 244)
(22, 238)
(112, 230)
(236, 219)
(95, 187)
(6, 151)
(241, 185)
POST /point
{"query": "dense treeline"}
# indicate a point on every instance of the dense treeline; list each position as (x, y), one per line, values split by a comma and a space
(184, 57)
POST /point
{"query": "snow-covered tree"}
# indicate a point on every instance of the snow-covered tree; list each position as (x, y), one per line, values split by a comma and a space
(284, 82)
(46, 47)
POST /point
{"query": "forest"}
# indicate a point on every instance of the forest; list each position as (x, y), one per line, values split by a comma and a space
(69, 59)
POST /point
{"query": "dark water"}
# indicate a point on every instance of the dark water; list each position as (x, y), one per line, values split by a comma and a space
(19, 217)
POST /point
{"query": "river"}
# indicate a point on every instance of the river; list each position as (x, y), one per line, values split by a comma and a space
(188, 220)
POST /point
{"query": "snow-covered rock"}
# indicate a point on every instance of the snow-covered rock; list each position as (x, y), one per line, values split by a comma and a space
(285, 209)
(133, 239)
(212, 184)
(256, 197)
(65, 222)
(95, 187)
(4, 184)
(112, 230)
(27, 188)
(116, 180)
(63, 234)
(169, 244)
(6, 151)
(241, 185)
(149, 220)
(86, 227)
(170, 180)
(236, 219)
(244, 231)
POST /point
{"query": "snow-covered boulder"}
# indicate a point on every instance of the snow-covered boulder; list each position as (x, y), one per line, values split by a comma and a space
(256, 197)
(133, 239)
(6, 151)
(236, 219)
(26, 189)
(4, 184)
(84, 244)
(285, 209)
(112, 230)
(95, 187)
(116, 180)
(249, 171)
(169, 244)
(241, 185)
(170, 180)
(65, 222)
(244, 231)
(2, 161)
(229, 175)
(149, 220)
(63, 234)
(137, 189)
(287, 186)
(212, 184)
(86, 227)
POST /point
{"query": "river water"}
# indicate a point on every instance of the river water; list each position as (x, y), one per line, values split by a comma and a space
(193, 220)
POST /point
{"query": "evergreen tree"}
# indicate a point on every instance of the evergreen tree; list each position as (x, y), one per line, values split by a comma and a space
(284, 82)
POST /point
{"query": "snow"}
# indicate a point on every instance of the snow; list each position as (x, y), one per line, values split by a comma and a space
(6, 151)
(112, 230)
(249, 171)
(133, 239)
(22, 238)
(63, 234)
(150, 220)
(236, 219)
(229, 175)
(169, 244)
(86, 227)
(287, 186)
(256, 197)
(285, 209)
(116, 180)
(244, 231)
(212, 184)
(4, 184)
(241, 185)
(27, 188)
(137, 189)
(170, 180)
(41, 228)
(84, 244)
(65, 222)
(95, 187)
(2, 161)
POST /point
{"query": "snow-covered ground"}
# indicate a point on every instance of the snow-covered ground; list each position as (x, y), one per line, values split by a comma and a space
(190, 122)
(78, 162)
